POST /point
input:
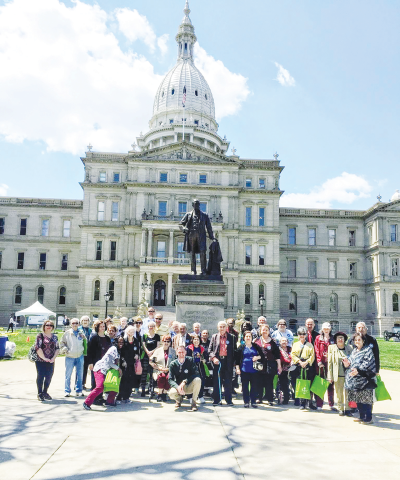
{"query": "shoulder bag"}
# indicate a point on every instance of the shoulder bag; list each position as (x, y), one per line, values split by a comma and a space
(32, 354)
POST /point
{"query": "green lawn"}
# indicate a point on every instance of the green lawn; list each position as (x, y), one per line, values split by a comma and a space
(23, 345)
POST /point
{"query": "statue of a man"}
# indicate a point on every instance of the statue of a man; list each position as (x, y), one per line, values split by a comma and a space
(195, 224)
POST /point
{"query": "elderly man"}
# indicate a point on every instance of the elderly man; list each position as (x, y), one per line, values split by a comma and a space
(71, 345)
(362, 328)
(174, 329)
(184, 379)
(182, 338)
(150, 318)
(256, 332)
(161, 329)
(196, 329)
(222, 354)
(283, 332)
(311, 334)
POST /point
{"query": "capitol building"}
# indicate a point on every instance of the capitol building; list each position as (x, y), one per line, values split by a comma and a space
(340, 266)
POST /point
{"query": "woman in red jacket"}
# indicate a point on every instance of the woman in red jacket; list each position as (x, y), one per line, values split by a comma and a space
(322, 342)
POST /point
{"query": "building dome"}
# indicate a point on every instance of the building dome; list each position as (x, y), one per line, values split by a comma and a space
(183, 78)
(395, 196)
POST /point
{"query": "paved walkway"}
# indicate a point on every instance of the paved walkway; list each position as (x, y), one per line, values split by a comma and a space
(59, 440)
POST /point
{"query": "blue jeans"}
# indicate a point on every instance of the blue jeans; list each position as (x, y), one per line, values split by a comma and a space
(70, 363)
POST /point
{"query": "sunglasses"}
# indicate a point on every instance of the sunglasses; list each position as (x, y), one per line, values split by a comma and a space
(151, 311)
(302, 334)
(281, 324)
(74, 323)
(138, 323)
(167, 341)
(48, 325)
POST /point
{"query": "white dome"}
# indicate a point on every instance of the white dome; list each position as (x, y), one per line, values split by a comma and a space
(169, 97)
(395, 196)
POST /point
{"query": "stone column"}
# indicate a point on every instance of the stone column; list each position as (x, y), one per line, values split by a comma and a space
(169, 290)
(143, 246)
(235, 291)
(123, 292)
(150, 243)
(130, 290)
(149, 290)
(191, 138)
(141, 279)
(171, 247)
(255, 304)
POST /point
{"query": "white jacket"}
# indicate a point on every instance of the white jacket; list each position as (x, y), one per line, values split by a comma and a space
(71, 345)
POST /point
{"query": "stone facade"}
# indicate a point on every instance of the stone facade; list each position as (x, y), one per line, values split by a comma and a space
(341, 266)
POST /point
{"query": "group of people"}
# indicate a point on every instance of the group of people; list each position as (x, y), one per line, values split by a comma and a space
(169, 362)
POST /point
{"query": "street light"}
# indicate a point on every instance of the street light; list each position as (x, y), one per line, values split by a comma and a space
(107, 297)
(262, 300)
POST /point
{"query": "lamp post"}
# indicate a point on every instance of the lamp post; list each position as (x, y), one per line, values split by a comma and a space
(107, 299)
(262, 300)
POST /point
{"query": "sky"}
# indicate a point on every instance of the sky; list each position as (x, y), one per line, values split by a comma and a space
(315, 81)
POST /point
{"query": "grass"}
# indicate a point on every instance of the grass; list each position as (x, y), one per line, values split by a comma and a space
(389, 351)
(24, 339)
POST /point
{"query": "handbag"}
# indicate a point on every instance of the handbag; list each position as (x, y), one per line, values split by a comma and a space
(303, 387)
(112, 381)
(138, 367)
(381, 392)
(258, 366)
(32, 354)
(320, 385)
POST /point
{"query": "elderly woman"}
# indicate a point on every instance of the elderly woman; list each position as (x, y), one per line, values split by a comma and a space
(160, 362)
(98, 345)
(130, 352)
(47, 349)
(246, 354)
(84, 327)
(100, 369)
(286, 360)
(336, 370)
(150, 342)
(282, 332)
(321, 345)
(303, 356)
(360, 378)
(272, 365)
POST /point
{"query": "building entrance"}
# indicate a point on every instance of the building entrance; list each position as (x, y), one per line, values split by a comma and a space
(159, 293)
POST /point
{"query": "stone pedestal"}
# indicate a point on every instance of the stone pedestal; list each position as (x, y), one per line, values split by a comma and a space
(200, 299)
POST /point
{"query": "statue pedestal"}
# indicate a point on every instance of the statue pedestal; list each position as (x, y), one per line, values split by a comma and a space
(200, 299)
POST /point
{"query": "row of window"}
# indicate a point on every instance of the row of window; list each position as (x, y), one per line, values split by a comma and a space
(116, 177)
(45, 227)
(249, 182)
(97, 288)
(42, 261)
(333, 303)
(61, 295)
(312, 269)
(183, 178)
(312, 237)
(99, 250)
(249, 215)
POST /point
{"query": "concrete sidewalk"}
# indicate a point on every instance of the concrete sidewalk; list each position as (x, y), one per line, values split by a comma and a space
(59, 440)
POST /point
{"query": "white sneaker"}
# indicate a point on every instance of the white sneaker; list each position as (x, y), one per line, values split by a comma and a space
(67, 395)
(319, 408)
(118, 402)
(201, 400)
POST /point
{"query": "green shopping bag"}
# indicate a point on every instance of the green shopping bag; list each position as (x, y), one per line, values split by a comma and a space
(319, 386)
(276, 381)
(303, 386)
(112, 381)
(380, 392)
(206, 370)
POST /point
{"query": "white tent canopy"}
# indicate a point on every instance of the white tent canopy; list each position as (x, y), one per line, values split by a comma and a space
(36, 309)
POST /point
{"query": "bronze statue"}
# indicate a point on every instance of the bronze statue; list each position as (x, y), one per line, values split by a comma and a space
(195, 224)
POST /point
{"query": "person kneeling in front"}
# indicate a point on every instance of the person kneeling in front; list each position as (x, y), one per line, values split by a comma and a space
(184, 379)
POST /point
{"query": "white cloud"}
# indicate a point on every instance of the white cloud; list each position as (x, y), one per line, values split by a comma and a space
(3, 189)
(136, 27)
(283, 76)
(345, 189)
(64, 79)
(230, 89)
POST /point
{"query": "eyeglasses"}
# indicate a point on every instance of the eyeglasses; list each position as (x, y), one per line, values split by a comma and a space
(302, 334)
(151, 311)
(138, 323)
(158, 318)
(74, 323)
(167, 341)
(49, 325)
(281, 324)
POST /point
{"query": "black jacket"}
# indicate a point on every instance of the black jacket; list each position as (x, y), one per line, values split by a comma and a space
(178, 372)
(239, 354)
(213, 349)
(94, 348)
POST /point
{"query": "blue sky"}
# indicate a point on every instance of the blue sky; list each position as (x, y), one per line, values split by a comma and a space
(76, 75)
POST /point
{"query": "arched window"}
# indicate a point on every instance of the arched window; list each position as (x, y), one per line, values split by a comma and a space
(40, 294)
(62, 296)
(313, 302)
(261, 291)
(185, 47)
(333, 303)
(196, 93)
(353, 303)
(293, 302)
(96, 293)
(395, 301)
(18, 295)
(173, 91)
(111, 288)
(247, 294)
